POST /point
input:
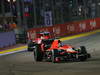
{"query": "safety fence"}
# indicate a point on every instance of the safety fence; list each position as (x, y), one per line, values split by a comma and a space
(69, 28)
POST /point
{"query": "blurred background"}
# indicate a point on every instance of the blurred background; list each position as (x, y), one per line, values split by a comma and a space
(33, 13)
(22, 15)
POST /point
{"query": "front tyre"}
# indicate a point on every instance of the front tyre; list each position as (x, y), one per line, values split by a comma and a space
(30, 46)
(82, 55)
(83, 50)
(54, 56)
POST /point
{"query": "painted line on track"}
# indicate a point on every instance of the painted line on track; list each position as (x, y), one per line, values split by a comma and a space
(13, 50)
(23, 48)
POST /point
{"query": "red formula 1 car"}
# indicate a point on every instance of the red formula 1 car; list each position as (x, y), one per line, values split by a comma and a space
(38, 40)
(52, 50)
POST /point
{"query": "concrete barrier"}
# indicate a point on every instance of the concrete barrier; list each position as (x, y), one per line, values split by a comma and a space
(68, 28)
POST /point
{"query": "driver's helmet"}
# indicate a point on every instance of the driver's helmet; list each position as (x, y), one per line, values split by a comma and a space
(45, 35)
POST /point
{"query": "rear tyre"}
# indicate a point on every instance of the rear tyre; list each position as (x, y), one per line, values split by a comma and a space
(38, 54)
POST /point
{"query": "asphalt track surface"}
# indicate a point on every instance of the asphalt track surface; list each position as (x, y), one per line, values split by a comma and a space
(22, 63)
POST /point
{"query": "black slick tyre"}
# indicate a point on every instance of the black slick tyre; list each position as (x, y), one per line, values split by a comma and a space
(38, 55)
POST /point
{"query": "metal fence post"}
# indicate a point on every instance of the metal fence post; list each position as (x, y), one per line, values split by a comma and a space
(18, 13)
(34, 9)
